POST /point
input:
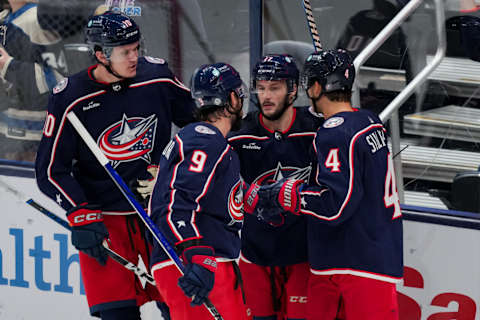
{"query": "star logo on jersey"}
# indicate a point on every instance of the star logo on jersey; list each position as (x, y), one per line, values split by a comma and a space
(181, 223)
(281, 172)
(129, 139)
(303, 203)
(58, 198)
(235, 203)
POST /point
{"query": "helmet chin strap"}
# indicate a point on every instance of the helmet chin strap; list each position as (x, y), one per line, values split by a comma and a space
(108, 66)
(110, 70)
(314, 99)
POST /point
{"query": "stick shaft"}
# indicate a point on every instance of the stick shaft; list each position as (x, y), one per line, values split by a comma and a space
(312, 26)
(159, 237)
(142, 274)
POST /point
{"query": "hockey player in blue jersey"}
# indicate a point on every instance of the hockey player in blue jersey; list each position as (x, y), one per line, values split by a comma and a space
(127, 104)
(197, 202)
(354, 217)
(275, 142)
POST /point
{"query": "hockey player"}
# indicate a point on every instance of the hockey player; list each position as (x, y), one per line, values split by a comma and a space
(354, 217)
(275, 142)
(127, 104)
(30, 66)
(197, 203)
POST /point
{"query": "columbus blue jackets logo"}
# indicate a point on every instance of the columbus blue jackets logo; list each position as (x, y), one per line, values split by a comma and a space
(235, 203)
(129, 139)
(281, 172)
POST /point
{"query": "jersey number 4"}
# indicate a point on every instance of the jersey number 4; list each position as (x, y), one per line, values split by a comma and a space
(391, 195)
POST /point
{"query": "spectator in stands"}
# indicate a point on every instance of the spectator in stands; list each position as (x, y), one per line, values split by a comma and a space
(30, 66)
(158, 19)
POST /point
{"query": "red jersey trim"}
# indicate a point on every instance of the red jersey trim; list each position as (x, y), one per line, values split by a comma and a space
(260, 118)
(55, 143)
(352, 174)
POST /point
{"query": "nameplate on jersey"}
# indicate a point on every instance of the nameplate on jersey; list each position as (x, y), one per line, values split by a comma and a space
(3, 35)
(60, 86)
(204, 130)
(376, 140)
(333, 122)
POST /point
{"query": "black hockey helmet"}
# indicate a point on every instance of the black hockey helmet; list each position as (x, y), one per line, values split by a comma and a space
(111, 29)
(276, 67)
(333, 69)
(211, 85)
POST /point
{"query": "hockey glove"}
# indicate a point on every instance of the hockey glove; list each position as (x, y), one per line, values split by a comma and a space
(142, 187)
(199, 277)
(88, 231)
(283, 194)
(145, 187)
(261, 207)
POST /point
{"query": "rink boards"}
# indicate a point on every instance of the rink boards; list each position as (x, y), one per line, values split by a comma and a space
(40, 276)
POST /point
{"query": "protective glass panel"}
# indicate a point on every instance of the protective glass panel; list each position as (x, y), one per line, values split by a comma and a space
(439, 124)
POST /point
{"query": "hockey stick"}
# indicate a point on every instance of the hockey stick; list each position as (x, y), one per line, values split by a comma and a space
(312, 26)
(142, 274)
(159, 237)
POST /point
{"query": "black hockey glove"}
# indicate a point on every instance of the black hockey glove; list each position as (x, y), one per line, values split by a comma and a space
(283, 195)
(88, 231)
(199, 277)
(261, 207)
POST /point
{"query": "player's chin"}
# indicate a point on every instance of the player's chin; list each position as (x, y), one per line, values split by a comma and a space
(269, 111)
(131, 72)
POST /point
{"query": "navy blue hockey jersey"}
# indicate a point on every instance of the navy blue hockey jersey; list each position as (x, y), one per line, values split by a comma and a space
(267, 156)
(198, 193)
(129, 120)
(355, 221)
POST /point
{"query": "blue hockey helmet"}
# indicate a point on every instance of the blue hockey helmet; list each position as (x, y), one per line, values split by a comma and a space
(211, 85)
(276, 67)
(111, 29)
(333, 69)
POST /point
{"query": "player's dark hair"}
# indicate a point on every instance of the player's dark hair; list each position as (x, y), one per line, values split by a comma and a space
(208, 113)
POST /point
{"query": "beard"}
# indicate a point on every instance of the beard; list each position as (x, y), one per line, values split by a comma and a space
(279, 113)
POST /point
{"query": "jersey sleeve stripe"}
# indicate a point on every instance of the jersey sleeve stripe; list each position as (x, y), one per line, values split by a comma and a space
(57, 137)
(248, 137)
(301, 134)
(207, 184)
(351, 157)
(172, 193)
(158, 80)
